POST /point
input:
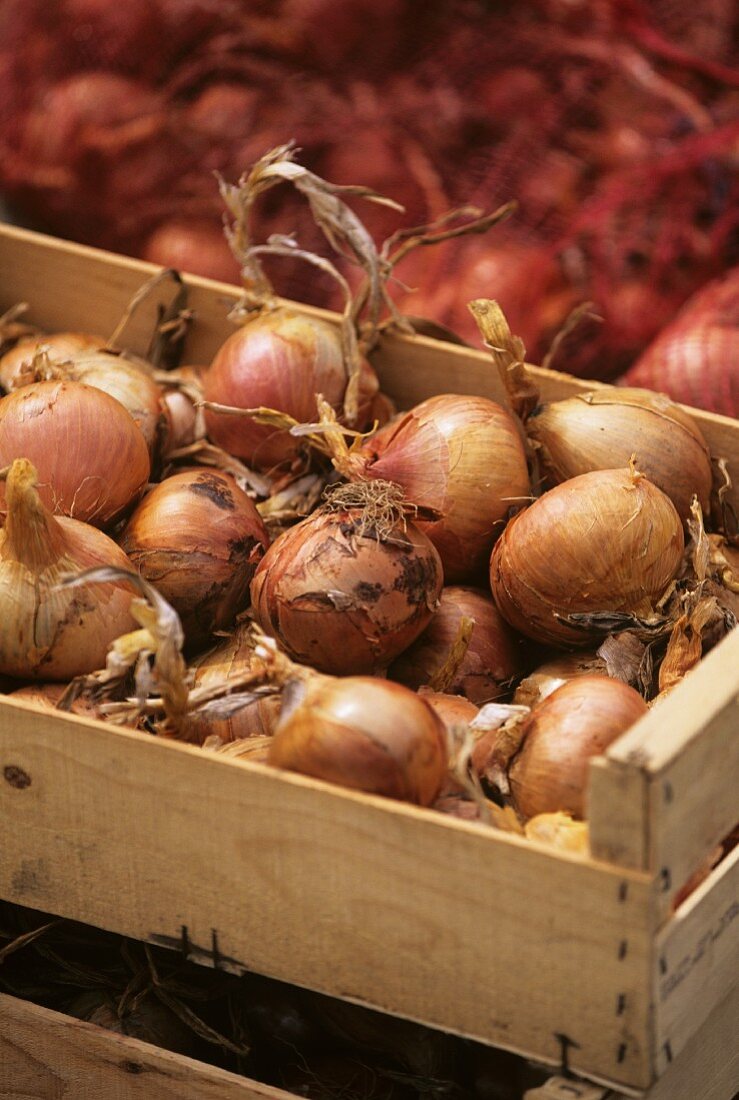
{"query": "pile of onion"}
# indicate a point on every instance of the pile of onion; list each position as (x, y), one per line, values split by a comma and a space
(604, 541)
(197, 537)
(92, 460)
(48, 633)
(362, 733)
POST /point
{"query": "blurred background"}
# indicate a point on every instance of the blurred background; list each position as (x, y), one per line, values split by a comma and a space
(613, 123)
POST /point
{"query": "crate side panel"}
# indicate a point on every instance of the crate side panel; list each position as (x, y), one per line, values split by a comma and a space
(45, 1055)
(417, 915)
(696, 961)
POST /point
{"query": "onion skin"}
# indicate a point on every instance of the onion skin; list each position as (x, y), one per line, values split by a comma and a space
(694, 359)
(454, 710)
(578, 721)
(603, 429)
(91, 458)
(553, 674)
(343, 602)
(46, 632)
(230, 660)
(603, 541)
(58, 346)
(46, 697)
(362, 733)
(197, 538)
(279, 360)
(494, 655)
(463, 457)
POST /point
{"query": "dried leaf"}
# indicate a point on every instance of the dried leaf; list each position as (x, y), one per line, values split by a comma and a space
(509, 355)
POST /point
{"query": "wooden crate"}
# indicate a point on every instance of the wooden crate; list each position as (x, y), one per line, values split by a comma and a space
(568, 960)
(45, 1055)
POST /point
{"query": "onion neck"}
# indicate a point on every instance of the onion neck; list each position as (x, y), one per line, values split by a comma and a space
(32, 534)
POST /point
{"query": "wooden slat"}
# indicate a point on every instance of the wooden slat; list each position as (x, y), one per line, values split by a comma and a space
(676, 772)
(89, 289)
(416, 914)
(707, 1069)
(46, 1055)
(697, 961)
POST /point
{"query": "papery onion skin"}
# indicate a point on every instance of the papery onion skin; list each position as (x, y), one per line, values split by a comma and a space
(231, 660)
(49, 633)
(58, 346)
(279, 360)
(91, 458)
(344, 602)
(363, 733)
(463, 457)
(603, 541)
(495, 654)
(578, 721)
(197, 538)
(454, 710)
(603, 429)
(119, 378)
(553, 674)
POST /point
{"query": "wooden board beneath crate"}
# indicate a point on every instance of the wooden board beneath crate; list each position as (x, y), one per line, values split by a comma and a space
(46, 1055)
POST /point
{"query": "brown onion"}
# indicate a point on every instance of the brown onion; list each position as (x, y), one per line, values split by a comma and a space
(603, 429)
(578, 721)
(58, 346)
(363, 733)
(180, 416)
(197, 538)
(47, 696)
(117, 376)
(91, 458)
(343, 599)
(603, 541)
(553, 674)
(279, 360)
(454, 710)
(49, 633)
(494, 654)
(462, 457)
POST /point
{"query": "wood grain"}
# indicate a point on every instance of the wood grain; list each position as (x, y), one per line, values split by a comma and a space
(419, 915)
(696, 960)
(46, 1055)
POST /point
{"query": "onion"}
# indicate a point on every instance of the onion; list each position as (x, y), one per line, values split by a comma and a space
(146, 1018)
(280, 360)
(47, 633)
(463, 458)
(197, 246)
(91, 458)
(694, 359)
(578, 721)
(366, 734)
(602, 429)
(553, 674)
(454, 710)
(560, 831)
(344, 595)
(603, 541)
(58, 346)
(121, 378)
(113, 36)
(181, 418)
(493, 657)
(231, 662)
(47, 696)
(197, 538)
